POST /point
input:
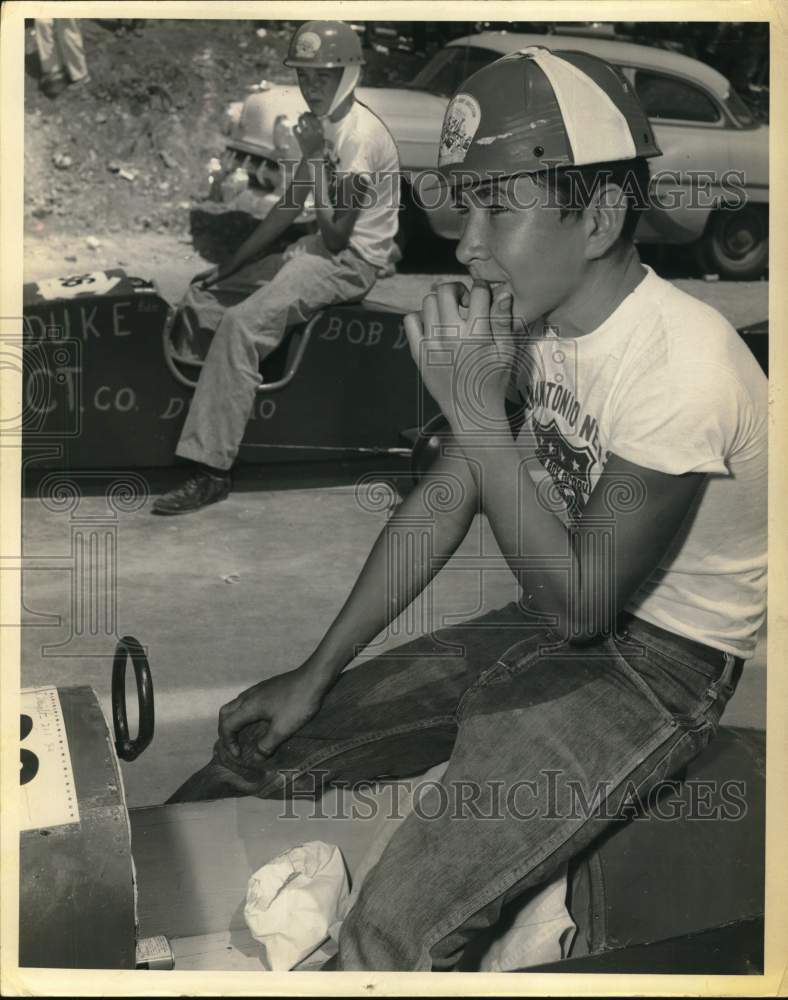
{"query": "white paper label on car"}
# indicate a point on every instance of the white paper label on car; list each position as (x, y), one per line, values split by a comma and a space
(155, 953)
(94, 283)
(460, 125)
(47, 793)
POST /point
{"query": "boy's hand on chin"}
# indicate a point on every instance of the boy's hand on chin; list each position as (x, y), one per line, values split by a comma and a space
(463, 343)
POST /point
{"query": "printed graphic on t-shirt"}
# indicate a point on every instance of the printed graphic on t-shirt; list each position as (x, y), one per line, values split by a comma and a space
(567, 440)
(570, 465)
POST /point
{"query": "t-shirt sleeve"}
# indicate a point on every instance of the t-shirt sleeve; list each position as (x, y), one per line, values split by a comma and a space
(679, 418)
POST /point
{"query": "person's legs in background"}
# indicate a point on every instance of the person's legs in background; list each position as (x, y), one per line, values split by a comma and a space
(61, 54)
(201, 310)
(53, 78)
(72, 53)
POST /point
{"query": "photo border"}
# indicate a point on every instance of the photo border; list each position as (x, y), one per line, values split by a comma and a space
(774, 981)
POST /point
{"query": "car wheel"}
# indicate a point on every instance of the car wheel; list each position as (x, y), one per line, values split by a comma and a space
(736, 243)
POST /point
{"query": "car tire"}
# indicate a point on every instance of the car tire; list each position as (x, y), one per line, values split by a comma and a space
(736, 243)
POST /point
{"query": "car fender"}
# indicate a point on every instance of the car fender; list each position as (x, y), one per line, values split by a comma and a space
(749, 152)
(257, 123)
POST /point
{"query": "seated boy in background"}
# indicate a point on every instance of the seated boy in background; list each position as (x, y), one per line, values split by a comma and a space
(349, 161)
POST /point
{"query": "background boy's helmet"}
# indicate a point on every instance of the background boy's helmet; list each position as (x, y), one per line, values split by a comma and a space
(324, 45)
(536, 109)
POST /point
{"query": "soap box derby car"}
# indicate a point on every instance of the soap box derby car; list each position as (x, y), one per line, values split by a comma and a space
(678, 888)
(104, 387)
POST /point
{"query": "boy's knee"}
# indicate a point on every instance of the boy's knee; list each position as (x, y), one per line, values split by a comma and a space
(389, 920)
(238, 327)
(364, 939)
(195, 297)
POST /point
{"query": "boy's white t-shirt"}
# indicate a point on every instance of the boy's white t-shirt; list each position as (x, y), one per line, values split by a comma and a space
(666, 383)
(359, 143)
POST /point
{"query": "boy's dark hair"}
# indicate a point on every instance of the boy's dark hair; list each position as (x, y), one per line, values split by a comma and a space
(574, 187)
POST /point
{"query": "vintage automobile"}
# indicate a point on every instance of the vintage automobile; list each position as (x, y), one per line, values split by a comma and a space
(711, 188)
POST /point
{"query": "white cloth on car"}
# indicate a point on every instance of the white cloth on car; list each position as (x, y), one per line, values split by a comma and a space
(543, 931)
(293, 900)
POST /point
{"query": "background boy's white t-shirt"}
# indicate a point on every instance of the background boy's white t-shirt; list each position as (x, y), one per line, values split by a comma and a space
(666, 383)
(359, 143)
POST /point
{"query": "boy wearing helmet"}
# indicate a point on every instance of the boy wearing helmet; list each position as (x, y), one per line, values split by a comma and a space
(349, 162)
(630, 507)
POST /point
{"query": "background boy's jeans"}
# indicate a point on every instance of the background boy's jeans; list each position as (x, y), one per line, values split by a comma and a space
(545, 744)
(293, 286)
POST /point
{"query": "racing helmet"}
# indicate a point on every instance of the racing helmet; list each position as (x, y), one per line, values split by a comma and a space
(538, 109)
(324, 45)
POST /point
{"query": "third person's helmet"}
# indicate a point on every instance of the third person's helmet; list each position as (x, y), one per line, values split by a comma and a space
(324, 45)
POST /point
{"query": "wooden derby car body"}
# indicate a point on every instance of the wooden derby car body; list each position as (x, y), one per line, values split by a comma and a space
(104, 389)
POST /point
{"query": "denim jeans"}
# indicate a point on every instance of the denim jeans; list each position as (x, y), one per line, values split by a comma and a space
(545, 742)
(293, 287)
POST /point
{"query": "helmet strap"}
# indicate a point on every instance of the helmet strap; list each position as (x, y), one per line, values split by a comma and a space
(347, 84)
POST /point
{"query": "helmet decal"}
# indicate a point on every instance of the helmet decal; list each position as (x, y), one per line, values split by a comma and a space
(463, 117)
(307, 45)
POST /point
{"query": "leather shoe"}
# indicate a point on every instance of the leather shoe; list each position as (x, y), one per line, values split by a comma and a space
(199, 490)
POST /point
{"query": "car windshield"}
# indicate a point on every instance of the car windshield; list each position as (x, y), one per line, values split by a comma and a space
(447, 69)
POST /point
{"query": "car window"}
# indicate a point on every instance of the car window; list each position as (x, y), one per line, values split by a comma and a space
(667, 97)
(739, 109)
(444, 73)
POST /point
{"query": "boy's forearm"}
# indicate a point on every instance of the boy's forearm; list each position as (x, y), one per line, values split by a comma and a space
(282, 215)
(534, 542)
(336, 226)
(413, 546)
(336, 231)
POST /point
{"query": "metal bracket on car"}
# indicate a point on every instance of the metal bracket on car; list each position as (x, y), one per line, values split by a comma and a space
(172, 360)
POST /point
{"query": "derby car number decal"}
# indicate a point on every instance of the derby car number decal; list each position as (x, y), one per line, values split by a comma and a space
(93, 283)
(47, 793)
